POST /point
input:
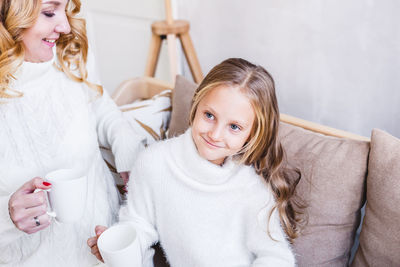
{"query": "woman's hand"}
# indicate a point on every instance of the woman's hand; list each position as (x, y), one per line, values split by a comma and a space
(28, 208)
(92, 242)
(125, 178)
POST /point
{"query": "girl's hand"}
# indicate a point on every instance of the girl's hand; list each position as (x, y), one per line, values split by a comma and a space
(92, 242)
(125, 178)
(28, 208)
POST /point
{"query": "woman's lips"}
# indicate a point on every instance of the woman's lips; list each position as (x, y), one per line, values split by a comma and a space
(49, 42)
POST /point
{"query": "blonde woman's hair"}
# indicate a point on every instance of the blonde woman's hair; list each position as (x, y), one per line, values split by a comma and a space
(262, 150)
(72, 49)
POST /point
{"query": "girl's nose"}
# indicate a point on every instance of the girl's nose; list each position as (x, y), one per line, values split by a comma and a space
(216, 133)
(63, 26)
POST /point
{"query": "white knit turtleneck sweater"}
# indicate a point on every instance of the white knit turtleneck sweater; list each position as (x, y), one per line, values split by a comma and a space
(204, 215)
(59, 123)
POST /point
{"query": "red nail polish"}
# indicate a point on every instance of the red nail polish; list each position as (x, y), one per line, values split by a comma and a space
(46, 183)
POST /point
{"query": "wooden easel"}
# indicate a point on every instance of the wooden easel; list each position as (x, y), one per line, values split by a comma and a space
(170, 29)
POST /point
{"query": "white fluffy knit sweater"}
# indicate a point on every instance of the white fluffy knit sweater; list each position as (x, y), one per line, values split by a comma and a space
(204, 215)
(59, 123)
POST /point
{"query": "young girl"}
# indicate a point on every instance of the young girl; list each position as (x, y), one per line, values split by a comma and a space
(217, 195)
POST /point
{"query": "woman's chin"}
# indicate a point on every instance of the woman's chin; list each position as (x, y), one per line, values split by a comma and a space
(40, 59)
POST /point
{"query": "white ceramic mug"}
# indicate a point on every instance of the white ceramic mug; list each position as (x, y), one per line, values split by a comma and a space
(67, 195)
(120, 247)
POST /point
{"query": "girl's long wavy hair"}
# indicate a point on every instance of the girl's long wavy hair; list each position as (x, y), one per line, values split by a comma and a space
(72, 49)
(262, 150)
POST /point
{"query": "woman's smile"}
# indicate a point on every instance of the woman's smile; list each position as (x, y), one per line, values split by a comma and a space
(49, 42)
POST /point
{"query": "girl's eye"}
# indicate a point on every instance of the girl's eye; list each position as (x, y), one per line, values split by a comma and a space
(235, 128)
(209, 115)
(48, 14)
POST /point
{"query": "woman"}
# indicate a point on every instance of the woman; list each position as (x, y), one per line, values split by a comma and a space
(53, 115)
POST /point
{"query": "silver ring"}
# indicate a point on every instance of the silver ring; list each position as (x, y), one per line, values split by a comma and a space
(36, 220)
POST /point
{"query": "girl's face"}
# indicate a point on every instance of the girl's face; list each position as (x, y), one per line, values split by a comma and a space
(222, 123)
(39, 40)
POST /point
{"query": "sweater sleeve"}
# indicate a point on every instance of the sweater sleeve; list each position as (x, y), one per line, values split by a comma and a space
(139, 208)
(8, 232)
(113, 130)
(268, 251)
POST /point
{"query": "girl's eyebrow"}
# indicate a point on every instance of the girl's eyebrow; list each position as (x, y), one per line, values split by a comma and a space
(210, 108)
(52, 2)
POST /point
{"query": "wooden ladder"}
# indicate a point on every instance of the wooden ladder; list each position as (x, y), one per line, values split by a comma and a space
(170, 30)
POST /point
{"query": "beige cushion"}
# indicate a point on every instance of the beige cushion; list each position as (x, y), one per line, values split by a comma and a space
(181, 102)
(332, 185)
(380, 234)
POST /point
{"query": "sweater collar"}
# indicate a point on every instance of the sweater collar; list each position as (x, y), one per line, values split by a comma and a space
(199, 169)
(30, 72)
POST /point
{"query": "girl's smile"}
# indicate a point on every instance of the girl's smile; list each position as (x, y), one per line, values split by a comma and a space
(210, 143)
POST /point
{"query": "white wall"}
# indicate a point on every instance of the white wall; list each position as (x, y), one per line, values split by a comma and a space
(119, 33)
(335, 62)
